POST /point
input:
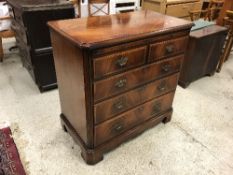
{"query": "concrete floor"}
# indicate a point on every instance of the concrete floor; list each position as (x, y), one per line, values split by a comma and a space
(198, 140)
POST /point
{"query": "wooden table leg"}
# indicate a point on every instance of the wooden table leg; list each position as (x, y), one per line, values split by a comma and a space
(226, 52)
(1, 50)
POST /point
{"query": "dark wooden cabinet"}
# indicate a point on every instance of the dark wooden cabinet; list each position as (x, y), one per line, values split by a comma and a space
(117, 75)
(203, 53)
(29, 22)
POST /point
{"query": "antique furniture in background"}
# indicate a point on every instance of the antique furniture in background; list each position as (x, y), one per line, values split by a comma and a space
(228, 5)
(211, 12)
(5, 27)
(203, 53)
(98, 7)
(177, 8)
(122, 6)
(5, 34)
(228, 21)
(213, 9)
(116, 77)
(29, 22)
(77, 6)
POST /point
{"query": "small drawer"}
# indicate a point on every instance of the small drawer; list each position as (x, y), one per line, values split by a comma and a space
(167, 48)
(183, 9)
(120, 61)
(136, 77)
(122, 103)
(117, 125)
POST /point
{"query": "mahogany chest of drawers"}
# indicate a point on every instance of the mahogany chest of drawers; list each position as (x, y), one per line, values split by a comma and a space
(117, 75)
(29, 22)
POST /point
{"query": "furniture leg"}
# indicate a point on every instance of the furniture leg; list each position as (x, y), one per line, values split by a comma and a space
(184, 84)
(167, 118)
(211, 74)
(91, 157)
(229, 48)
(1, 50)
(63, 126)
(226, 52)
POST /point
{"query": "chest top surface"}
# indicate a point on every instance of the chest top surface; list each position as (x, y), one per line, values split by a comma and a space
(206, 31)
(31, 5)
(102, 30)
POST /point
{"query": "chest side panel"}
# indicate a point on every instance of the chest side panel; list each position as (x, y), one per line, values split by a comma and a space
(70, 76)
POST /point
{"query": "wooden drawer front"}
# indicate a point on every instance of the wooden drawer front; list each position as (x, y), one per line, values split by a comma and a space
(136, 77)
(167, 48)
(119, 104)
(120, 61)
(182, 10)
(44, 68)
(134, 117)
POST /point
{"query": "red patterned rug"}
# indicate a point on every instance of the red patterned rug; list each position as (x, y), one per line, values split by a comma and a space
(10, 163)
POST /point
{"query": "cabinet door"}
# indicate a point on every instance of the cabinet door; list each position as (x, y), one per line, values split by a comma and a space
(44, 70)
(36, 24)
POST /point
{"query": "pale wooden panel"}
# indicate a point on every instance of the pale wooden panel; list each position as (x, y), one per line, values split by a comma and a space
(182, 10)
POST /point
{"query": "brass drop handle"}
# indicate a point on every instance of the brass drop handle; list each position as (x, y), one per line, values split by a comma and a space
(120, 105)
(162, 87)
(118, 127)
(156, 108)
(122, 61)
(166, 67)
(169, 48)
(121, 83)
(140, 109)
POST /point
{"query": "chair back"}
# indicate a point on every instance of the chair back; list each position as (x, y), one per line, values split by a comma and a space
(213, 9)
(98, 7)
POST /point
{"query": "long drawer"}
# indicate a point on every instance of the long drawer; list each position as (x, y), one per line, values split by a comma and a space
(120, 61)
(117, 125)
(121, 103)
(136, 77)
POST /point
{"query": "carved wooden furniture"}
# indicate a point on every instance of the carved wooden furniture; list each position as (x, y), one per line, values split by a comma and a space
(210, 13)
(4, 34)
(29, 22)
(177, 8)
(116, 77)
(229, 41)
(98, 7)
(228, 5)
(203, 53)
(213, 9)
